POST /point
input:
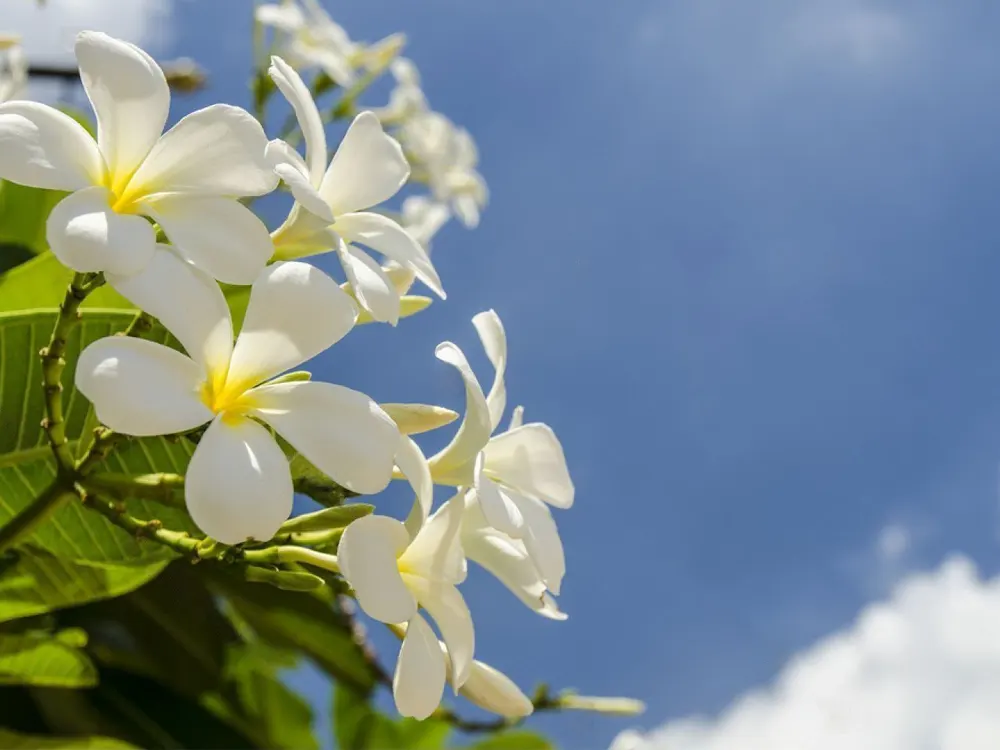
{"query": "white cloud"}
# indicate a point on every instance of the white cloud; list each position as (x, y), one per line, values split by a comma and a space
(920, 671)
(48, 31)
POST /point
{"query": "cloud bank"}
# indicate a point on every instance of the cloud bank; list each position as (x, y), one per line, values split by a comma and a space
(920, 671)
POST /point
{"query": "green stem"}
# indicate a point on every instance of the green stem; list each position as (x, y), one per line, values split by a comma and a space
(160, 488)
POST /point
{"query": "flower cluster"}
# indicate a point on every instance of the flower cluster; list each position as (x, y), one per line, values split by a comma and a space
(162, 218)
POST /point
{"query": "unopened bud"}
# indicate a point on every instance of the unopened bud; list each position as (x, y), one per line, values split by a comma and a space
(329, 518)
(289, 580)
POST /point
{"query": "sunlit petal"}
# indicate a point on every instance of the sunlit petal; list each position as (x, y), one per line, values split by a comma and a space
(411, 461)
(141, 388)
(494, 340)
(341, 431)
(530, 460)
(367, 555)
(374, 290)
(297, 94)
(445, 604)
(418, 684)
(436, 551)
(238, 485)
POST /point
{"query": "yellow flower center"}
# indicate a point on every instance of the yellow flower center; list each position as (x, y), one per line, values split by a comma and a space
(230, 400)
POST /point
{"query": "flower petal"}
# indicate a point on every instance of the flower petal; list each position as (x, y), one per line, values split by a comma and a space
(455, 464)
(284, 16)
(85, 234)
(342, 432)
(445, 604)
(44, 148)
(295, 312)
(494, 340)
(220, 235)
(238, 485)
(436, 551)
(141, 388)
(289, 167)
(413, 419)
(297, 94)
(373, 289)
(541, 539)
(423, 217)
(516, 418)
(367, 555)
(500, 510)
(418, 683)
(368, 168)
(412, 463)
(382, 234)
(530, 460)
(202, 323)
(130, 97)
(494, 691)
(508, 561)
(216, 150)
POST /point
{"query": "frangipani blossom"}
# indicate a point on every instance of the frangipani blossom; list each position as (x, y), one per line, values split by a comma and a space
(13, 67)
(512, 476)
(493, 691)
(187, 180)
(393, 577)
(307, 37)
(238, 484)
(446, 157)
(368, 168)
(406, 99)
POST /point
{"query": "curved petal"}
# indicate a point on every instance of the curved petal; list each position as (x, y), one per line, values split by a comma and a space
(436, 551)
(217, 150)
(516, 418)
(221, 236)
(508, 561)
(130, 97)
(141, 388)
(342, 432)
(412, 463)
(367, 556)
(201, 323)
(44, 148)
(423, 217)
(297, 94)
(492, 690)
(368, 168)
(85, 234)
(295, 312)
(238, 485)
(382, 234)
(541, 539)
(494, 339)
(530, 460)
(373, 289)
(418, 683)
(413, 419)
(445, 604)
(455, 464)
(288, 165)
(500, 510)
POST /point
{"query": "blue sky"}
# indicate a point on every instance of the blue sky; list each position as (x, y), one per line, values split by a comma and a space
(746, 257)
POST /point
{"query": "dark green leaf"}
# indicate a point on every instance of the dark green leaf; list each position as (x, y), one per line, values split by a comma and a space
(359, 726)
(16, 741)
(36, 659)
(23, 212)
(37, 582)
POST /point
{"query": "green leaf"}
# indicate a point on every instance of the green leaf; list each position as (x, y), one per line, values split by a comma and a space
(38, 582)
(282, 716)
(359, 726)
(517, 739)
(43, 661)
(40, 281)
(299, 621)
(14, 741)
(23, 212)
(26, 463)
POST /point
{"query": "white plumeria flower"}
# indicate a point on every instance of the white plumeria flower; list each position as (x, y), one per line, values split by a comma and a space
(514, 475)
(187, 180)
(239, 484)
(448, 156)
(307, 37)
(13, 67)
(393, 576)
(368, 168)
(422, 219)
